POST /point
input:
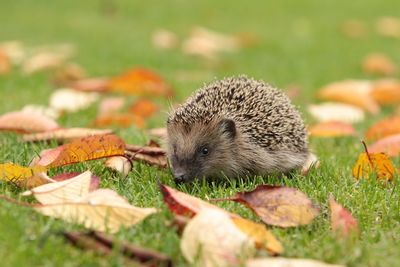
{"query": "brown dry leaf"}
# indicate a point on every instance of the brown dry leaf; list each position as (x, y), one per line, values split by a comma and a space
(69, 73)
(332, 129)
(64, 191)
(98, 84)
(183, 204)
(164, 39)
(124, 120)
(5, 63)
(278, 205)
(378, 63)
(43, 61)
(385, 127)
(287, 262)
(111, 105)
(336, 112)
(208, 44)
(342, 222)
(148, 154)
(212, 239)
(354, 28)
(263, 238)
(143, 108)
(387, 92)
(141, 82)
(371, 162)
(120, 164)
(87, 148)
(388, 27)
(23, 176)
(353, 92)
(101, 210)
(24, 122)
(389, 145)
(70, 100)
(64, 134)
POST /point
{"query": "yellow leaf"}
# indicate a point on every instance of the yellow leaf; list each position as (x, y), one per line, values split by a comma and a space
(16, 173)
(378, 163)
(259, 233)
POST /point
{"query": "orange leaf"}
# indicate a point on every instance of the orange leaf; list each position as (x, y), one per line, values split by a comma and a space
(91, 85)
(5, 63)
(332, 129)
(378, 63)
(389, 145)
(383, 128)
(121, 120)
(25, 122)
(342, 222)
(143, 108)
(141, 82)
(378, 163)
(354, 92)
(87, 148)
(386, 92)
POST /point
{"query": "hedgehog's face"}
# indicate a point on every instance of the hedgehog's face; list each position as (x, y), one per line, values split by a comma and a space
(201, 150)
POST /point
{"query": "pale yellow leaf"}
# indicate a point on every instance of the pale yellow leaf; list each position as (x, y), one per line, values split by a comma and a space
(286, 262)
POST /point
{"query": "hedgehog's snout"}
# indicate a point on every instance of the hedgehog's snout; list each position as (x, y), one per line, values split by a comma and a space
(179, 177)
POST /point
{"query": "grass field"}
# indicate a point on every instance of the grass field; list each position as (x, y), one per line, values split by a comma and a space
(299, 42)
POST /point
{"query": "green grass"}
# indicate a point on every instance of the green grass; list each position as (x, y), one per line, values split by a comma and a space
(300, 42)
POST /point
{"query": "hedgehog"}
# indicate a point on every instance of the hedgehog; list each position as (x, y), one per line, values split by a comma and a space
(235, 127)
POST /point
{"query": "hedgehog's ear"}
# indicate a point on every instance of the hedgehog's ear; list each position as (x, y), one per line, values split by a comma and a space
(228, 126)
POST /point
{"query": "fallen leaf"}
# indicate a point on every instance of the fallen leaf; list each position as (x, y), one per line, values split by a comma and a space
(278, 205)
(14, 50)
(389, 145)
(383, 128)
(64, 134)
(63, 191)
(354, 28)
(24, 122)
(371, 162)
(388, 27)
(121, 120)
(101, 210)
(43, 61)
(311, 162)
(120, 164)
(158, 132)
(99, 84)
(141, 82)
(332, 129)
(84, 149)
(287, 262)
(183, 204)
(148, 154)
(336, 112)
(94, 180)
(111, 105)
(23, 176)
(386, 92)
(164, 39)
(212, 239)
(143, 108)
(353, 92)
(70, 100)
(69, 73)
(378, 63)
(263, 238)
(41, 111)
(208, 44)
(5, 63)
(342, 222)
(106, 245)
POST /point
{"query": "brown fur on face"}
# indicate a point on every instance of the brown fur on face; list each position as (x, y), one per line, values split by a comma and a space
(186, 144)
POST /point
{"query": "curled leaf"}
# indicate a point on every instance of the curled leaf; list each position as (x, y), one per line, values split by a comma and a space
(120, 164)
(148, 154)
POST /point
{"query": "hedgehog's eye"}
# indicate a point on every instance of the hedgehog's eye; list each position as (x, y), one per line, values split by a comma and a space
(204, 151)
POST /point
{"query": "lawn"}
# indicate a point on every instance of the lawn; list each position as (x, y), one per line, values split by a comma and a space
(297, 42)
